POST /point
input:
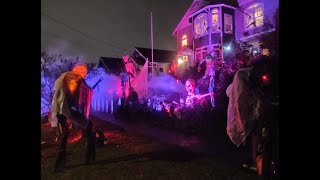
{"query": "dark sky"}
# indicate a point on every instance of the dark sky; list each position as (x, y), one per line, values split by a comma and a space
(92, 28)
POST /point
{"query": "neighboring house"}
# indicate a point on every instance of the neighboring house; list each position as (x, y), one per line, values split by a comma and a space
(162, 59)
(213, 24)
(254, 18)
(112, 65)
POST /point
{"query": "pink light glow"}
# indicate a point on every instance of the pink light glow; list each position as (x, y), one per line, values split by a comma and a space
(264, 77)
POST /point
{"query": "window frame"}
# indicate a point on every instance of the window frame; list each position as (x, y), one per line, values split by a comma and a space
(200, 20)
(184, 40)
(218, 17)
(225, 15)
(251, 11)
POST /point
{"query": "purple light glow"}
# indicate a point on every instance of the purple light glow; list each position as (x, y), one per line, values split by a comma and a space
(108, 88)
(165, 85)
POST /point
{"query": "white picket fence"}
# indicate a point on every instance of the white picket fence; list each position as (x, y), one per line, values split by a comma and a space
(104, 104)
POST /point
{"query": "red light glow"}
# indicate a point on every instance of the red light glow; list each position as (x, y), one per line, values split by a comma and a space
(75, 138)
(264, 77)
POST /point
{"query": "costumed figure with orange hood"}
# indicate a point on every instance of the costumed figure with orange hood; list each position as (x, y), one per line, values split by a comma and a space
(71, 101)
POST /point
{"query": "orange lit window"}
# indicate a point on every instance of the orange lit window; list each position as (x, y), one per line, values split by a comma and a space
(184, 40)
(215, 19)
(254, 17)
(200, 25)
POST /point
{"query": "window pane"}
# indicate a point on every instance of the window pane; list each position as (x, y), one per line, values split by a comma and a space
(215, 18)
(253, 6)
(259, 21)
(197, 28)
(201, 24)
(227, 19)
(228, 23)
(258, 12)
(184, 42)
(249, 20)
(215, 11)
(215, 27)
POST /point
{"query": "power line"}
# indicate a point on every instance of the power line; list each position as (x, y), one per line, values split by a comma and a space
(59, 36)
(84, 34)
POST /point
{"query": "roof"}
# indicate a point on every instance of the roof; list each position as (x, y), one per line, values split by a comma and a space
(112, 65)
(233, 3)
(195, 6)
(164, 56)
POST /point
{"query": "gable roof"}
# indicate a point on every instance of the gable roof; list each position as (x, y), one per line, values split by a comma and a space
(233, 3)
(199, 4)
(196, 5)
(112, 65)
(159, 55)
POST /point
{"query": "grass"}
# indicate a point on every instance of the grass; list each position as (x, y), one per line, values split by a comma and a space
(130, 155)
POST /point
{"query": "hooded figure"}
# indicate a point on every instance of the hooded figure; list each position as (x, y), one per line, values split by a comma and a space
(244, 107)
(71, 100)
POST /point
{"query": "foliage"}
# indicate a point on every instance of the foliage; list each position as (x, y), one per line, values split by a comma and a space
(225, 70)
(52, 66)
(271, 40)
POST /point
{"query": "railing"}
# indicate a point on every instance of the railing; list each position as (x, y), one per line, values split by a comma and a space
(104, 104)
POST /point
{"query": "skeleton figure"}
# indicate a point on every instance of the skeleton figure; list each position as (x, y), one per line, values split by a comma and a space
(129, 66)
(211, 85)
(192, 98)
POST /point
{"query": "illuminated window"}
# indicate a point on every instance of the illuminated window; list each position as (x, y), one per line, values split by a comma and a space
(228, 28)
(215, 19)
(254, 17)
(184, 58)
(201, 53)
(184, 40)
(200, 25)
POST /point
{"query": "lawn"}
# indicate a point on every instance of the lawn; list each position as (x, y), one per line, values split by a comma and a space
(128, 155)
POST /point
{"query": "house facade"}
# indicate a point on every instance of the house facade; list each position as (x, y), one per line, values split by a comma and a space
(211, 26)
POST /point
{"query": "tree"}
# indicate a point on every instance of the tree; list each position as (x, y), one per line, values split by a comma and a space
(271, 40)
(52, 66)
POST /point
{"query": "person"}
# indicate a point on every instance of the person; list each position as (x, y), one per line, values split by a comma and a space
(71, 101)
(132, 98)
(131, 103)
(244, 112)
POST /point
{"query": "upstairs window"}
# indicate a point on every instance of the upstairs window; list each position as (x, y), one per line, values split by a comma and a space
(254, 17)
(228, 28)
(201, 54)
(184, 41)
(200, 25)
(215, 19)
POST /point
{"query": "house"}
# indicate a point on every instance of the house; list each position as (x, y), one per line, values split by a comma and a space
(255, 18)
(212, 25)
(112, 65)
(162, 59)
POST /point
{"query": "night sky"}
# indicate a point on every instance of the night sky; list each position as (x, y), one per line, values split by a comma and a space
(111, 28)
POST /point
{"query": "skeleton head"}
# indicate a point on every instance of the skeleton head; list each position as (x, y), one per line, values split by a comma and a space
(190, 85)
(125, 58)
